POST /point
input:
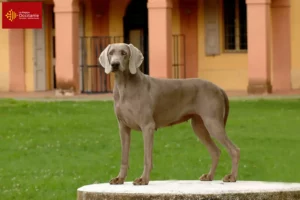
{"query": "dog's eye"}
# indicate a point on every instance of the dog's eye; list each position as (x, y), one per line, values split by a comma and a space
(123, 53)
(111, 53)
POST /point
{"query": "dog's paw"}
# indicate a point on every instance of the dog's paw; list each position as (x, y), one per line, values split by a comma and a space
(140, 181)
(229, 178)
(116, 181)
(206, 177)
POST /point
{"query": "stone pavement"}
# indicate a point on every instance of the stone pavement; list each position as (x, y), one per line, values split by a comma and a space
(54, 96)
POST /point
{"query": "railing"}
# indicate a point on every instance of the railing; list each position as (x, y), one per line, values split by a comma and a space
(178, 56)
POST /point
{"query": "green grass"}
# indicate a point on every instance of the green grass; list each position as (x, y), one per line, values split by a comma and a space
(49, 149)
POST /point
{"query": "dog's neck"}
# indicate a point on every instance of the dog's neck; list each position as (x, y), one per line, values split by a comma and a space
(125, 80)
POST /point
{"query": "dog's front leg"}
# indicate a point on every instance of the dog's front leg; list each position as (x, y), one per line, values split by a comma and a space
(125, 144)
(148, 136)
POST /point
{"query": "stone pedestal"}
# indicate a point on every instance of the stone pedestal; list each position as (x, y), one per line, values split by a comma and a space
(192, 190)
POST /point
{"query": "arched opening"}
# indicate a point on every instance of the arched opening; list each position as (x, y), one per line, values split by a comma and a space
(135, 24)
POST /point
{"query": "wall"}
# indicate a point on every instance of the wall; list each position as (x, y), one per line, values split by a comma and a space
(29, 53)
(88, 31)
(188, 27)
(116, 14)
(176, 30)
(4, 57)
(48, 45)
(29, 73)
(175, 17)
(228, 70)
(295, 46)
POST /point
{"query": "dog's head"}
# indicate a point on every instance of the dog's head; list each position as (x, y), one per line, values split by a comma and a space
(121, 57)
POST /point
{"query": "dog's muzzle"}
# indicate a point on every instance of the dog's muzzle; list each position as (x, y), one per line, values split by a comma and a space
(115, 66)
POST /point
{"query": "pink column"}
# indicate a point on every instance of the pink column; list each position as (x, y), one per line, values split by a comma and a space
(258, 19)
(188, 22)
(160, 38)
(16, 60)
(281, 35)
(67, 43)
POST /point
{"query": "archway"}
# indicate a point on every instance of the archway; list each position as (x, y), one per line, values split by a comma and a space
(135, 24)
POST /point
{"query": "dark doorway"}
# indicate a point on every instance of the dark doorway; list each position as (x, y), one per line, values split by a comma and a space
(135, 24)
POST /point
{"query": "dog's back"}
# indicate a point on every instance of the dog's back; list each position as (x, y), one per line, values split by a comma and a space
(177, 100)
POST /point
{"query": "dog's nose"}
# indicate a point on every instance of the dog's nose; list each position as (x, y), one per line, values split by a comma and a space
(115, 65)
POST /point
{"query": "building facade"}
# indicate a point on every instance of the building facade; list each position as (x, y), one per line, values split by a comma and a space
(241, 45)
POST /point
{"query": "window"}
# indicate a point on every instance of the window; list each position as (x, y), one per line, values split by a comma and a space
(235, 25)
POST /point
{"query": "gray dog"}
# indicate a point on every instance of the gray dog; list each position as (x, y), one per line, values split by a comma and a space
(145, 104)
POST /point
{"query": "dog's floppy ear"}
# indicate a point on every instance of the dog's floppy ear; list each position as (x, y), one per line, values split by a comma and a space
(103, 60)
(136, 58)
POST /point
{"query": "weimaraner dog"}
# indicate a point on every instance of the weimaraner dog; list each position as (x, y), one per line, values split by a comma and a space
(145, 104)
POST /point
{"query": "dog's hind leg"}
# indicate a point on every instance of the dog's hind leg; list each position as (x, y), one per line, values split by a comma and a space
(216, 129)
(202, 133)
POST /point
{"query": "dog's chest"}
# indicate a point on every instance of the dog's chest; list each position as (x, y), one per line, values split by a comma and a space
(127, 115)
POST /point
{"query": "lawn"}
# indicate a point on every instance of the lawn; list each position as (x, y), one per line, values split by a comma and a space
(49, 149)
